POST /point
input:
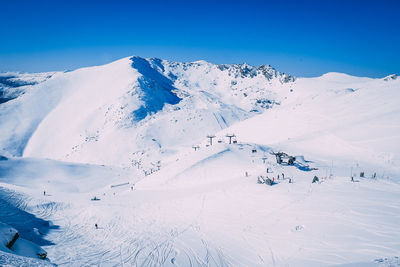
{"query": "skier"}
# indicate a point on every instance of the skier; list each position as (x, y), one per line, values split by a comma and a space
(352, 179)
(283, 175)
(44, 193)
(290, 180)
(95, 225)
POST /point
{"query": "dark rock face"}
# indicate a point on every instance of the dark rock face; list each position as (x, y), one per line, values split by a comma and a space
(11, 243)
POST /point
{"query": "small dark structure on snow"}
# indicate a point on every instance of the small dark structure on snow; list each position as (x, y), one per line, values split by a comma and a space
(266, 180)
(315, 180)
(283, 158)
(116, 185)
(12, 241)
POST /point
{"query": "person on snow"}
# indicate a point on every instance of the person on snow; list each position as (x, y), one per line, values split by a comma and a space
(95, 225)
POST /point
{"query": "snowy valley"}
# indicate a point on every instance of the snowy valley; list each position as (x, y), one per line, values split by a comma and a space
(149, 162)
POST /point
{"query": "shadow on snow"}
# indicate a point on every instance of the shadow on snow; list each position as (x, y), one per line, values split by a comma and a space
(28, 225)
(156, 89)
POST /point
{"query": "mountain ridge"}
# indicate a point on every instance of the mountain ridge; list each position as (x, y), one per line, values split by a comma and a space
(153, 162)
(157, 105)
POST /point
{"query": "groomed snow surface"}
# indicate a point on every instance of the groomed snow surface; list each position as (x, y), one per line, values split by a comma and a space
(111, 166)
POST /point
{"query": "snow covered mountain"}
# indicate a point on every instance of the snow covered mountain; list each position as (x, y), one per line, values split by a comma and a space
(124, 146)
(13, 85)
(78, 116)
(135, 111)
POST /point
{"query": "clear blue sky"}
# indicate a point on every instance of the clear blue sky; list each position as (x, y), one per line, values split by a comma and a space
(304, 38)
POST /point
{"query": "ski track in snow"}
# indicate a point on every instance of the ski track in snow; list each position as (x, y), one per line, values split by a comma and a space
(129, 236)
(163, 204)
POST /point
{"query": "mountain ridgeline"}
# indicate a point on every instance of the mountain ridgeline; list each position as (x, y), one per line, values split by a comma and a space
(152, 104)
(137, 112)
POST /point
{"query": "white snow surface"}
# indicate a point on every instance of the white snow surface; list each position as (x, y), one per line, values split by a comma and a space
(6, 235)
(113, 145)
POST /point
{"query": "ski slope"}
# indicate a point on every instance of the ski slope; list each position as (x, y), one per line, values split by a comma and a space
(334, 116)
(124, 133)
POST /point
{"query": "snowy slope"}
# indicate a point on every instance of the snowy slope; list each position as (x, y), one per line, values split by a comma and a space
(20, 117)
(76, 116)
(124, 133)
(336, 117)
(203, 210)
(14, 84)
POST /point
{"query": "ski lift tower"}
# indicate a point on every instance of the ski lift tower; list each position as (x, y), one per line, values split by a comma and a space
(264, 159)
(210, 136)
(230, 137)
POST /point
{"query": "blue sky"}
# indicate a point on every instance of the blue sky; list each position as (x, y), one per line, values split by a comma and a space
(303, 38)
